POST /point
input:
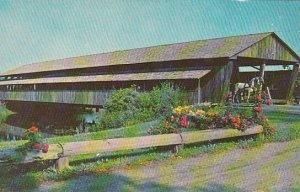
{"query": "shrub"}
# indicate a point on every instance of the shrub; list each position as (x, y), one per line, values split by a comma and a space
(129, 106)
(4, 112)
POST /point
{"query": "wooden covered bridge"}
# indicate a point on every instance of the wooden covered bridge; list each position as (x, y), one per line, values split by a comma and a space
(206, 68)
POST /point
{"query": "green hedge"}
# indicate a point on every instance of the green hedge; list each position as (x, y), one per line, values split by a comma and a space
(129, 106)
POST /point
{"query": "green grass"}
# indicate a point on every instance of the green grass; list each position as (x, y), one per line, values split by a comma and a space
(287, 125)
(130, 131)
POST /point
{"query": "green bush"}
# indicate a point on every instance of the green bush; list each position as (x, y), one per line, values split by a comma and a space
(128, 106)
(4, 113)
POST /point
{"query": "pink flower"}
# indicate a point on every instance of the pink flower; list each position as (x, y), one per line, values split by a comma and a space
(258, 109)
(269, 102)
(249, 123)
(45, 148)
(263, 117)
(37, 146)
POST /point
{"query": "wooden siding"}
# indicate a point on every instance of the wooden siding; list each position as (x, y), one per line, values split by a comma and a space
(216, 84)
(270, 48)
(69, 97)
(292, 83)
(93, 98)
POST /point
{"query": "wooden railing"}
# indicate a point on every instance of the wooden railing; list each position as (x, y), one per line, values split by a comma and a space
(63, 96)
(63, 151)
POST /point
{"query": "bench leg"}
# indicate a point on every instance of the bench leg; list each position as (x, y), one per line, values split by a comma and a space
(62, 163)
(177, 148)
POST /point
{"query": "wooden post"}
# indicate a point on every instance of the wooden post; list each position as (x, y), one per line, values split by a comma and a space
(177, 148)
(199, 91)
(262, 75)
(292, 83)
(227, 78)
(262, 70)
(62, 163)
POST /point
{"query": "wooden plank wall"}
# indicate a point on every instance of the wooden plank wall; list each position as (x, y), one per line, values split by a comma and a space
(68, 97)
(216, 85)
(269, 48)
(96, 98)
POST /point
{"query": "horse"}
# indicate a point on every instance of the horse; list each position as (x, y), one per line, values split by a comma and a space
(242, 89)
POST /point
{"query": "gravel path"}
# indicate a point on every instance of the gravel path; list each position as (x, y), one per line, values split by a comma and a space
(272, 167)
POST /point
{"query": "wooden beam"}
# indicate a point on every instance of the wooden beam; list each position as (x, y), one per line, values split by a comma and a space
(262, 70)
(214, 134)
(100, 146)
(292, 82)
(227, 78)
(62, 152)
(199, 91)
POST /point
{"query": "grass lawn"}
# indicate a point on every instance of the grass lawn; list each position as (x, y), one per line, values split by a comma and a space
(287, 125)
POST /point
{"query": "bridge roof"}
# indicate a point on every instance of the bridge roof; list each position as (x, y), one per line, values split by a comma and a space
(195, 74)
(262, 45)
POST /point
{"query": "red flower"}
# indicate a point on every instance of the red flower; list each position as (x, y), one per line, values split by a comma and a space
(263, 117)
(37, 146)
(258, 109)
(184, 122)
(259, 98)
(45, 148)
(33, 129)
(269, 102)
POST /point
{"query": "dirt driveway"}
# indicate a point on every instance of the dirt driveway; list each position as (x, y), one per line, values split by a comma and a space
(271, 167)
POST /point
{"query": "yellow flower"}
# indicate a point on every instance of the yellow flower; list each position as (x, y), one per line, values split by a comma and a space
(200, 112)
(192, 113)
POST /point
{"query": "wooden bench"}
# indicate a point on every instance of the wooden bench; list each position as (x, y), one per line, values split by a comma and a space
(61, 152)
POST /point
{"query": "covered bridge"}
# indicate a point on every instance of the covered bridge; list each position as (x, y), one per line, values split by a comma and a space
(206, 68)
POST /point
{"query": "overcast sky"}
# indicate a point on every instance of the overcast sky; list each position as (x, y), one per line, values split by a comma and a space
(39, 30)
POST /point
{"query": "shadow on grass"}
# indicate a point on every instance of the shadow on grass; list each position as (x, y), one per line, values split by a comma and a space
(114, 182)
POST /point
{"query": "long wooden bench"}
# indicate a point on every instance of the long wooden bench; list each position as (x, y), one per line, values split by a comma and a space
(61, 152)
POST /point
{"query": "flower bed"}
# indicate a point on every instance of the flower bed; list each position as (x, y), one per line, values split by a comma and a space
(212, 116)
(36, 141)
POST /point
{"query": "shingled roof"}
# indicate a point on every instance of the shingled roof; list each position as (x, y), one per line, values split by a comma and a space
(171, 75)
(213, 48)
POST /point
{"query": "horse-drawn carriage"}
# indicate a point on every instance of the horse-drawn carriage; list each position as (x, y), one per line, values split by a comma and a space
(244, 92)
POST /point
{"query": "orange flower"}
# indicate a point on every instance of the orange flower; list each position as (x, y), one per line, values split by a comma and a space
(172, 118)
(33, 129)
(259, 98)
(166, 125)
